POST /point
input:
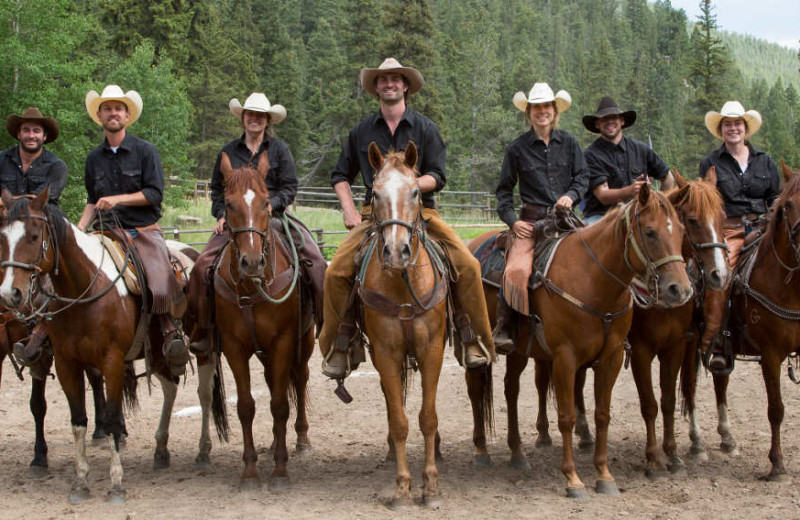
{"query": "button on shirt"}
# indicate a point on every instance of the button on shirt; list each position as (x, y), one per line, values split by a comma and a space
(412, 127)
(751, 191)
(281, 177)
(544, 173)
(619, 165)
(136, 166)
(47, 169)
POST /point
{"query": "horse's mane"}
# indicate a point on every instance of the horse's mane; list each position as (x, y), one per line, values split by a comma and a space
(790, 190)
(56, 218)
(705, 199)
(242, 179)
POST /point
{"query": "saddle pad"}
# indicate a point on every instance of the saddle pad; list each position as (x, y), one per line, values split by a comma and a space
(493, 259)
(115, 251)
(543, 254)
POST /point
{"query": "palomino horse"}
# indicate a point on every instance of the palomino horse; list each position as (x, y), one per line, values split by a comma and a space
(259, 312)
(585, 309)
(403, 291)
(765, 315)
(92, 323)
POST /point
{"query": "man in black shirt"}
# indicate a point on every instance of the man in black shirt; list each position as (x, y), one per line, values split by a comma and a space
(618, 166)
(391, 128)
(124, 174)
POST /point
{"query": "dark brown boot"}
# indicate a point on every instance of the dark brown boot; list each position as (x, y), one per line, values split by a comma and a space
(503, 343)
(29, 353)
(347, 353)
(174, 347)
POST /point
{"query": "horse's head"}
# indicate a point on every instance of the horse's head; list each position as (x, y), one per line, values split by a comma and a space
(783, 231)
(247, 215)
(27, 246)
(653, 246)
(701, 211)
(395, 202)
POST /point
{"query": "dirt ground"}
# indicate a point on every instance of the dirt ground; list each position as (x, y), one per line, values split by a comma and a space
(345, 476)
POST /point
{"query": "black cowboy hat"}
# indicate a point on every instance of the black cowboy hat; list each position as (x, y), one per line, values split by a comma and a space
(32, 115)
(608, 107)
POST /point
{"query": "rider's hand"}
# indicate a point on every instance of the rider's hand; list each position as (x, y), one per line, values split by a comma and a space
(564, 202)
(220, 226)
(105, 203)
(351, 219)
(523, 229)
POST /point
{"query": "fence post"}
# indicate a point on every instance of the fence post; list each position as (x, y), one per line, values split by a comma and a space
(176, 234)
(320, 241)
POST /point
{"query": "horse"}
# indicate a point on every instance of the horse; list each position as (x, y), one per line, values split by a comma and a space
(583, 314)
(765, 316)
(259, 311)
(403, 292)
(92, 322)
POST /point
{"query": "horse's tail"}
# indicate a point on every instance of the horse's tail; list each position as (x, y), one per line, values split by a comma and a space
(486, 402)
(130, 385)
(219, 409)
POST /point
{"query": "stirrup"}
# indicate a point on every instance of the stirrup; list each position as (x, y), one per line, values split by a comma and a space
(21, 358)
(484, 361)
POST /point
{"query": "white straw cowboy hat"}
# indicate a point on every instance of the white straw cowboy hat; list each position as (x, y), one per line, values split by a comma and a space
(131, 99)
(412, 75)
(32, 115)
(736, 110)
(542, 93)
(258, 102)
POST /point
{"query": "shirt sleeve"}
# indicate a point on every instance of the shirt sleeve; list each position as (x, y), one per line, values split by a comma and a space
(217, 190)
(580, 173)
(152, 176)
(57, 179)
(505, 189)
(347, 167)
(597, 174)
(91, 195)
(775, 182)
(286, 180)
(656, 167)
(435, 155)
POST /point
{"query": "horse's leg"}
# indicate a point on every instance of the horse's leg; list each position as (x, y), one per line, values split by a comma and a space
(475, 387)
(641, 361)
(670, 366)
(564, 382)
(605, 375)
(430, 365)
(72, 383)
(391, 454)
(581, 424)
(543, 373)
(98, 394)
(771, 368)
(300, 382)
(169, 389)
(38, 405)
(515, 365)
(114, 375)
(277, 376)
(246, 408)
(728, 443)
(689, 371)
(205, 392)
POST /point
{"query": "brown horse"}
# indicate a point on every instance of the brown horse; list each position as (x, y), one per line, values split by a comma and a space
(259, 312)
(92, 321)
(765, 316)
(585, 310)
(403, 290)
(670, 333)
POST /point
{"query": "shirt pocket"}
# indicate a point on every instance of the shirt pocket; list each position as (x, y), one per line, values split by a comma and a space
(759, 184)
(131, 180)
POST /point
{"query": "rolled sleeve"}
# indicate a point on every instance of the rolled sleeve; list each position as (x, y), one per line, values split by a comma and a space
(656, 167)
(347, 166)
(435, 152)
(580, 174)
(57, 180)
(505, 190)
(285, 180)
(217, 190)
(152, 177)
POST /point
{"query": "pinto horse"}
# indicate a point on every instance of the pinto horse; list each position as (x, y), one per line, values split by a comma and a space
(259, 312)
(585, 309)
(403, 291)
(92, 323)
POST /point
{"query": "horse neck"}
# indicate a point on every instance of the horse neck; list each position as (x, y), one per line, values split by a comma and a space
(609, 248)
(79, 258)
(771, 274)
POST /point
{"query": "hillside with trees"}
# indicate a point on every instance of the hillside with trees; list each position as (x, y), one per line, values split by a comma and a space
(189, 57)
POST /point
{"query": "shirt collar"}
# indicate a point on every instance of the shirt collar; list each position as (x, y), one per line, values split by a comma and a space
(406, 117)
(555, 136)
(622, 145)
(124, 145)
(243, 143)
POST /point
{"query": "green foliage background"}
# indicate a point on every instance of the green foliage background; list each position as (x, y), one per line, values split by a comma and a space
(189, 57)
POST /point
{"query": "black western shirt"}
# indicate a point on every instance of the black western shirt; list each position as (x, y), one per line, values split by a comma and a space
(544, 172)
(748, 192)
(618, 165)
(136, 166)
(281, 179)
(412, 127)
(47, 169)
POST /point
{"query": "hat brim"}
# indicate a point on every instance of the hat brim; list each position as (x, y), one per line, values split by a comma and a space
(589, 122)
(277, 112)
(413, 76)
(751, 117)
(131, 99)
(50, 125)
(562, 100)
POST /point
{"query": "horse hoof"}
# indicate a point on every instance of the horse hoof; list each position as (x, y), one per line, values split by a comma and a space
(482, 461)
(400, 504)
(432, 501)
(278, 484)
(654, 475)
(520, 463)
(779, 478)
(161, 460)
(249, 484)
(116, 496)
(99, 441)
(78, 494)
(729, 448)
(606, 487)
(202, 461)
(698, 453)
(37, 472)
(585, 444)
(544, 442)
(677, 468)
(302, 449)
(580, 493)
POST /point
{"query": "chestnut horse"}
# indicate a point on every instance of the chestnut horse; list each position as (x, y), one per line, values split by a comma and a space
(259, 312)
(403, 289)
(585, 308)
(92, 322)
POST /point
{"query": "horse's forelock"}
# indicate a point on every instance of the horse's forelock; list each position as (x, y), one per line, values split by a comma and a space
(20, 210)
(397, 161)
(242, 179)
(705, 199)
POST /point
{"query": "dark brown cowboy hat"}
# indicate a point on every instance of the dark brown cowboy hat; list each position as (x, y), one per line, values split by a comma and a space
(32, 115)
(608, 107)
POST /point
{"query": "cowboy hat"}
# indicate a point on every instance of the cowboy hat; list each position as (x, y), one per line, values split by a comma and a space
(608, 107)
(412, 75)
(32, 115)
(131, 99)
(733, 109)
(258, 102)
(542, 93)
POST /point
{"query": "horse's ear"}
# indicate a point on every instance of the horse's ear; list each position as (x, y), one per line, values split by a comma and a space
(8, 199)
(679, 180)
(375, 157)
(38, 202)
(644, 194)
(786, 172)
(411, 155)
(678, 197)
(263, 166)
(225, 166)
(711, 176)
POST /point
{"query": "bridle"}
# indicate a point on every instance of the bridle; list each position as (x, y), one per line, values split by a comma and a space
(791, 231)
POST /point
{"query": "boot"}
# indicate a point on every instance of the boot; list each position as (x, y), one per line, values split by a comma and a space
(474, 356)
(346, 354)
(175, 349)
(28, 354)
(503, 343)
(716, 317)
(201, 347)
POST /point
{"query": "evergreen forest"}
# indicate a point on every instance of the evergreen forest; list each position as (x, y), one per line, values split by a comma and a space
(188, 58)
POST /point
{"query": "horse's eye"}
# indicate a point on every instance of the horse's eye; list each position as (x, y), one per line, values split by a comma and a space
(789, 204)
(228, 205)
(415, 193)
(376, 196)
(651, 233)
(693, 222)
